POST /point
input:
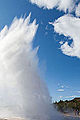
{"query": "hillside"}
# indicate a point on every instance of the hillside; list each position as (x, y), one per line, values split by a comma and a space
(68, 106)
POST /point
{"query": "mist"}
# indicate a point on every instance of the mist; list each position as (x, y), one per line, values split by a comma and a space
(22, 92)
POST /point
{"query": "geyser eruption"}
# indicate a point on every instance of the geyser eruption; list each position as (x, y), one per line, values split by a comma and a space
(22, 92)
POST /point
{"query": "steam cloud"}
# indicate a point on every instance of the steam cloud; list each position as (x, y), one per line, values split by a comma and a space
(22, 92)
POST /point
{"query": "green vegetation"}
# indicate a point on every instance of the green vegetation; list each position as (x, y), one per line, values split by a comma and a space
(68, 106)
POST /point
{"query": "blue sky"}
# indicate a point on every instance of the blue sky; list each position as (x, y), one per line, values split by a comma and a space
(61, 72)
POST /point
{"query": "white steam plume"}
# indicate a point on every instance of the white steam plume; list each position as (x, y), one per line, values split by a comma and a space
(22, 92)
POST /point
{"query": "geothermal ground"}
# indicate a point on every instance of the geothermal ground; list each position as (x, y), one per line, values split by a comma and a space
(12, 119)
(64, 118)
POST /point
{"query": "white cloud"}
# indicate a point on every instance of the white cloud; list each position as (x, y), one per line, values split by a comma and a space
(60, 90)
(73, 96)
(78, 91)
(21, 89)
(59, 4)
(62, 86)
(69, 26)
(78, 10)
(60, 97)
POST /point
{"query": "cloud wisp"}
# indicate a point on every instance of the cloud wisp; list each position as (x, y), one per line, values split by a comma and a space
(78, 91)
(70, 97)
(60, 90)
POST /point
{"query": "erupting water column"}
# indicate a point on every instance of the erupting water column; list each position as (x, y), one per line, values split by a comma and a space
(22, 92)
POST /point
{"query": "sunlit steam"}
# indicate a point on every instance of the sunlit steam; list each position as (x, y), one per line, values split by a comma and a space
(22, 92)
